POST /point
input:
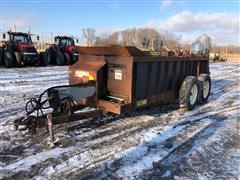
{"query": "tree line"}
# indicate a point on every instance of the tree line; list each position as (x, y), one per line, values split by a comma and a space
(146, 38)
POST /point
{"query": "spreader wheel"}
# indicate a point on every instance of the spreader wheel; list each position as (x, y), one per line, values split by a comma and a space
(204, 88)
(188, 93)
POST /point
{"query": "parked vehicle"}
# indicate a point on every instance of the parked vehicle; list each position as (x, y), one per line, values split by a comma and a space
(62, 52)
(216, 57)
(19, 50)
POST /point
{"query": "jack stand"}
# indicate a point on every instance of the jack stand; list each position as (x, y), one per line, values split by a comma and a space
(68, 112)
(50, 128)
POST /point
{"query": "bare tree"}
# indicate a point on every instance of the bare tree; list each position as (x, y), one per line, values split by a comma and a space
(89, 35)
(102, 40)
(113, 38)
(129, 37)
(147, 38)
(171, 41)
(152, 35)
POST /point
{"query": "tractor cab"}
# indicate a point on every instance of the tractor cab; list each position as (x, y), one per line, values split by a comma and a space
(64, 40)
(65, 43)
(20, 37)
(17, 39)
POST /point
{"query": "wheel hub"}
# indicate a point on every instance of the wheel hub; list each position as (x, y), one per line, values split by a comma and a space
(206, 87)
(194, 93)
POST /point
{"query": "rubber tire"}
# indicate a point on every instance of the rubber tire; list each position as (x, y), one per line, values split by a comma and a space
(1, 56)
(43, 59)
(68, 59)
(185, 93)
(9, 59)
(18, 59)
(74, 58)
(38, 63)
(48, 56)
(59, 58)
(202, 78)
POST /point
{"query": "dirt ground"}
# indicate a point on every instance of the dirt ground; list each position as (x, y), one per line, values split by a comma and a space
(160, 142)
(232, 58)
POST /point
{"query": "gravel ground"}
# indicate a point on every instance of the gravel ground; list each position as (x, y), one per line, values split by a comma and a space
(160, 142)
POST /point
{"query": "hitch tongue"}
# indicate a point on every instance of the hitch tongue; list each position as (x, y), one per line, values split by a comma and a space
(22, 127)
(16, 123)
(23, 123)
(17, 127)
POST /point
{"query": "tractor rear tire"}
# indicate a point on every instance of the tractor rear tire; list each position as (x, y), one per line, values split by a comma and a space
(68, 59)
(59, 58)
(74, 58)
(204, 88)
(1, 56)
(43, 60)
(9, 59)
(18, 59)
(48, 56)
(188, 93)
(38, 63)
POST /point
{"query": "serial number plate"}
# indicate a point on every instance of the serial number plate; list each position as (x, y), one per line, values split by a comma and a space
(141, 102)
(118, 74)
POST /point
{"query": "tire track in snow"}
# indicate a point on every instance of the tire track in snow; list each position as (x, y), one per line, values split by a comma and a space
(21, 84)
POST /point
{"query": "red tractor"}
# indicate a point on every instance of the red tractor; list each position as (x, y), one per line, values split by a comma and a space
(62, 52)
(19, 50)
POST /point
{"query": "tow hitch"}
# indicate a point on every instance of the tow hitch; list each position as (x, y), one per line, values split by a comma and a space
(62, 100)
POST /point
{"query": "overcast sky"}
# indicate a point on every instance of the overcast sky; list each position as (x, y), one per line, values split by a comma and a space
(187, 18)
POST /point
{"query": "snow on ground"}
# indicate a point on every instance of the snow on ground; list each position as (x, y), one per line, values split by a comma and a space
(153, 143)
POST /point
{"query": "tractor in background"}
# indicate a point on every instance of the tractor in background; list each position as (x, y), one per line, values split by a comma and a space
(19, 50)
(216, 57)
(62, 52)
